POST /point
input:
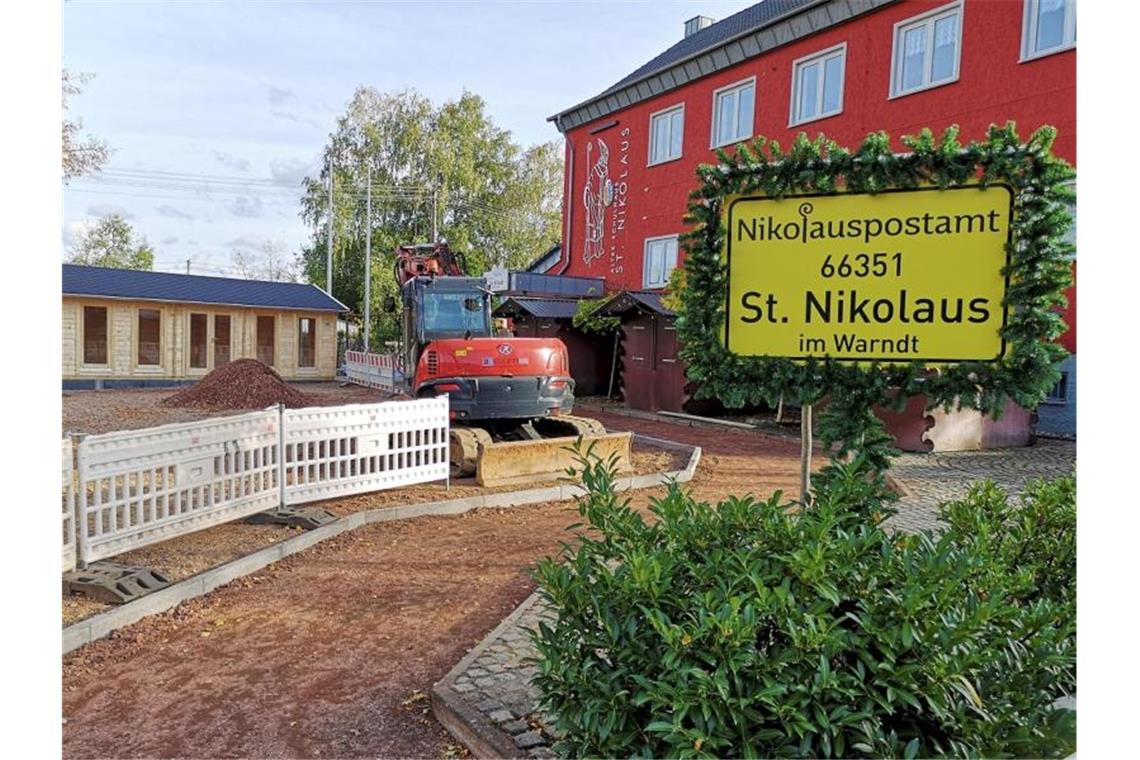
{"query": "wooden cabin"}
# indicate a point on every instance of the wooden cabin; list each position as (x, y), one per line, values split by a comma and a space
(129, 328)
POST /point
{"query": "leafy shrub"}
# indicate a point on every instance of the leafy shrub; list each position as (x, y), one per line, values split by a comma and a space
(759, 629)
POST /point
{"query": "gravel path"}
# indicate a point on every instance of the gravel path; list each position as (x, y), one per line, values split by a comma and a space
(331, 652)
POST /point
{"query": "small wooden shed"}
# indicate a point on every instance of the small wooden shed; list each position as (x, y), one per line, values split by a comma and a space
(652, 375)
(129, 328)
(590, 355)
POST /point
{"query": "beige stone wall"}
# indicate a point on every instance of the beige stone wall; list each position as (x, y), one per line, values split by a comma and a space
(122, 355)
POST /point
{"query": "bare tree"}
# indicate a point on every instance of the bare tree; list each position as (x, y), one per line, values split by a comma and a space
(81, 154)
(271, 261)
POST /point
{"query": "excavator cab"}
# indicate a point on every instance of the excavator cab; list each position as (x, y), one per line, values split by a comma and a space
(502, 391)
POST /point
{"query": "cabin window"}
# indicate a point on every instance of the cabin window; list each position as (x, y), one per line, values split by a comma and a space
(926, 50)
(199, 341)
(221, 339)
(94, 335)
(307, 342)
(149, 338)
(265, 339)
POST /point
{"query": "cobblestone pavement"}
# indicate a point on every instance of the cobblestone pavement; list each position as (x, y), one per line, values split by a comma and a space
(497, 681)
(931, 479)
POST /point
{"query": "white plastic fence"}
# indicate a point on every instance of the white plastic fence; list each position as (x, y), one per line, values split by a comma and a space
(381, 371)
(139, 487)
(68, 488)
(343, 450)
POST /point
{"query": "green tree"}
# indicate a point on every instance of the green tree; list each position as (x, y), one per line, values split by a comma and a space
(81, 155)
(111, 243)
(495, 202)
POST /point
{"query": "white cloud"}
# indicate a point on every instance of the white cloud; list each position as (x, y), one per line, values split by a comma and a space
(296, 118)
(171, 212)
(292, 170)
(278, 95)
(106, 209)
(248, 206)
(249, 241)
(233, 162)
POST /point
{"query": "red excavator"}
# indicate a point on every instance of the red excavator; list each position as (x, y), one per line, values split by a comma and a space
(510, 398)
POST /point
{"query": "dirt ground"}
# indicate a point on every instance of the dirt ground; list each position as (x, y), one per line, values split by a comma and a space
(330, 653)
(129, 409)
(102, 411)
(182, 557)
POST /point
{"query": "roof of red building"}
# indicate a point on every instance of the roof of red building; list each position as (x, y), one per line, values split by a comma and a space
(743, 35)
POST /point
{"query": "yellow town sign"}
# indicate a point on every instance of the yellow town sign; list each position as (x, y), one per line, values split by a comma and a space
(899, 276)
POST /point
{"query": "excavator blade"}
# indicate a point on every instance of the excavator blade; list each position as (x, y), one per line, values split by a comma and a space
(512, 462)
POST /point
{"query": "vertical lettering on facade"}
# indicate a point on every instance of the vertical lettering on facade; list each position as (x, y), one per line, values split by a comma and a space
(603, 190)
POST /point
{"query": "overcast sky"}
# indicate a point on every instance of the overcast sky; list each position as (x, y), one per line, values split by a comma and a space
(243, 95)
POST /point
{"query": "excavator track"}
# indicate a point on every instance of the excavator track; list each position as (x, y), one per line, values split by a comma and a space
(464, 449)
(569, 425)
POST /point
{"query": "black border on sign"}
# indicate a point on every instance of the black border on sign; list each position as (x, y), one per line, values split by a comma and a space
(895, 359)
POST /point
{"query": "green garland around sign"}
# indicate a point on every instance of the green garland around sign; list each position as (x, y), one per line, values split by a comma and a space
(1039, 272)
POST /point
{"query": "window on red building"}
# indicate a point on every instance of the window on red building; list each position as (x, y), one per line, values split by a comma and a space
(817, 85)
(1050, 26)
(666, 129)
(733, 107)
(660, 261)
(926, 50)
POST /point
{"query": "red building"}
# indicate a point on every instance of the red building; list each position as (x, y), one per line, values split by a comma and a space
(843, 68)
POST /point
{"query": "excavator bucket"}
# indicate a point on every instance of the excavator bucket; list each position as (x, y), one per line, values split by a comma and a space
(513, 462)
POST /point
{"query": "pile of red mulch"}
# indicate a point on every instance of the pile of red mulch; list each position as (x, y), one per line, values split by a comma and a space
(241, 384)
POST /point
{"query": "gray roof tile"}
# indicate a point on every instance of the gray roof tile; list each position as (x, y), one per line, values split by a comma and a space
(189, 288)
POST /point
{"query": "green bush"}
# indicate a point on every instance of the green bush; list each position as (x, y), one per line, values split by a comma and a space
(759, 629)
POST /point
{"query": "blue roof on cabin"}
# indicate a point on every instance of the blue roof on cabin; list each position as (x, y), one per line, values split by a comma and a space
(191, 288)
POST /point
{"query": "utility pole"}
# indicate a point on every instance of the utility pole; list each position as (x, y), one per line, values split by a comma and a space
(368, 261)
(434, 213)
(328, 255)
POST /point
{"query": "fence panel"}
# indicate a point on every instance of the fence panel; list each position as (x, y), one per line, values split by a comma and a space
(138, 487)
(381, 371)
(68, 487)
(337, 451)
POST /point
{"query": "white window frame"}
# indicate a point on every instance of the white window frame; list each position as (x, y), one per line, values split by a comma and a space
(1029, 31)
(821, 58)
(668, 270)
(740, 85)
(666, 113)
(930, 17)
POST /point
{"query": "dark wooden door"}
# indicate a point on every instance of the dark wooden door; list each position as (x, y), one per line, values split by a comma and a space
(637, 373)
(669, 377)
